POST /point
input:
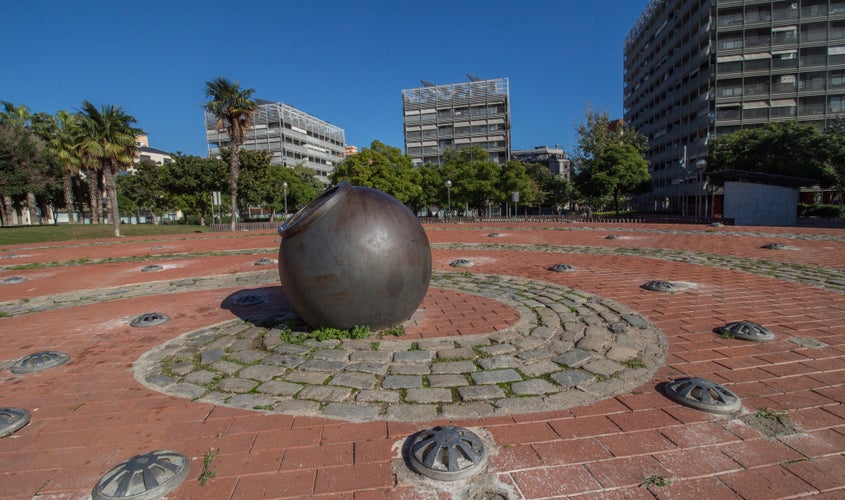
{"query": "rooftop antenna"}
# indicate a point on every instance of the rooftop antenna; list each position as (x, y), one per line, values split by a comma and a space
(473, 78)
(426, 83)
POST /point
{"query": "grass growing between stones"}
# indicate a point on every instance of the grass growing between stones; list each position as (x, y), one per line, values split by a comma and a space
(207, 472)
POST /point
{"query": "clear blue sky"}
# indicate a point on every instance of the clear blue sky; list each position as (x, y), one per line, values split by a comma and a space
(345, 62)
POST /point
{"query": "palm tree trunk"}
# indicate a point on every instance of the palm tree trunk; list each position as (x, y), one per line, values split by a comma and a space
(93, 194)
(111, 190)
(234, 171)
(67, 186)
(32, 208)
(101, 184)
(6, 211)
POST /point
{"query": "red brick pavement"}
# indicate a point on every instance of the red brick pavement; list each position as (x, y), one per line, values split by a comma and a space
(90, 414)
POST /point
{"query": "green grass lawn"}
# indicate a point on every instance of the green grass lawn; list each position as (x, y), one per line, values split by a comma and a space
(66, 232)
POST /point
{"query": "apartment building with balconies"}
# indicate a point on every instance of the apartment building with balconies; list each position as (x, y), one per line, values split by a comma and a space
(697, 69)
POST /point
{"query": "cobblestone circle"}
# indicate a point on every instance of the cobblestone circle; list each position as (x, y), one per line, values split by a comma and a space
(567, 348)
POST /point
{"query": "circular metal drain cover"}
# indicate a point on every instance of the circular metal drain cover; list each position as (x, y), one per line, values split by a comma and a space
(746, 330)
(774, 246)
(702, 394)
(249, 299)
(12, 419)
(264, 262)
(13, 280)
(611, 237)
(39, 361)
(660, 286)
(447, 453)
(143, 477)
(150, 319)
(461, 263)
(10, 256)
(562, 268)
(187, 282)
(494, 235)
(151, 268)
(716, 224)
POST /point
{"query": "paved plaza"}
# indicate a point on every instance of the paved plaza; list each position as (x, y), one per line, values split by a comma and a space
(562, 374)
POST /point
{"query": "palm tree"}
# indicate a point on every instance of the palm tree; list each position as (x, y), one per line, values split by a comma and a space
(64, 145)
(233, 108)
(108, 136)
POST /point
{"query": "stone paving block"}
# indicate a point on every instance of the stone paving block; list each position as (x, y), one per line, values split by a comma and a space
(495, 376)
(447, 380)
(297, 406)
(239, 385)
(453, 367)
(412, 413)
(356, 380)
(201, 377)
(571, 378)
(395, 345)
(561, 346)
(497, 349)
(324, 393)
(472, 341)
(322, 344)
(428, 395)
(603, 367)
(372, 368)
(183, 368)
(529, 343)
(467, 410)
(321, 365)
(292, 349)
(510, 405)
(423, 369)
(279, 388)
(378, 396)
(574, 358)
(635, 320)
(435, 344)
(351, 411)
(595, 344)
(629, 341)
(533, 387)
(248, 356)
(480, 392)
(226, 367)
(456, 353)
(371, 356)
(252, 401)
(621, 354)
(186, 390)
(285, 360)
(539, 368)
(211, 356)
(401, 382)
(314, 378)
(502, 361)
(262, 372)
(240, 345)
(330, 355)
(537, 354)
(413, 357)
(357, 344)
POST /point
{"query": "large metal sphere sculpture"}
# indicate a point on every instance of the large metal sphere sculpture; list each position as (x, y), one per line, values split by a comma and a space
(355, 256)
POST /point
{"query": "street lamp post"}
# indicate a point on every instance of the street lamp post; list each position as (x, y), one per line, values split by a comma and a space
(285, 188)
(699, 187)
(448, 185)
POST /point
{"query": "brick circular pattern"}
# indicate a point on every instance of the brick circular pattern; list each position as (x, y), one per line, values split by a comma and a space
(567, 348)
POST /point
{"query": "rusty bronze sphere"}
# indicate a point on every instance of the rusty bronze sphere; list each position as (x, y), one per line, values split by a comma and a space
(354, 256)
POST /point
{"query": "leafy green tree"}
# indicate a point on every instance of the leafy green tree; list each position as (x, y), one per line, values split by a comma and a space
(144, 189)
(554, 190)
(190, 181)
(63, 145)
(233, 108)
(252, 180)
(597, 132)
(384, 168)
(618, 170)
(431, 188)
(835, 139)
(780, 148)
(475, 178)
(108, 136)
(303, 187)
(514, 177)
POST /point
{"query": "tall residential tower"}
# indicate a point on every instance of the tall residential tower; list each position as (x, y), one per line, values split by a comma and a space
(696, 69)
